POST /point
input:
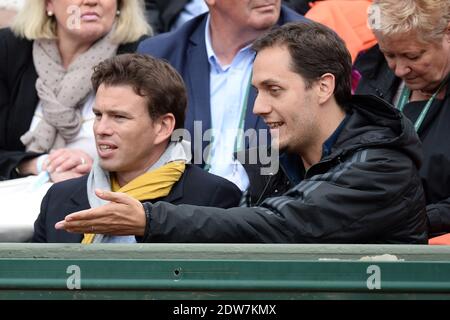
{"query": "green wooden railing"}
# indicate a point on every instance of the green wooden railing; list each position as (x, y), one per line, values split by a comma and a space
(216, 271)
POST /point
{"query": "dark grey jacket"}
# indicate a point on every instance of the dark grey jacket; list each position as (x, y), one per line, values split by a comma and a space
(366, 191)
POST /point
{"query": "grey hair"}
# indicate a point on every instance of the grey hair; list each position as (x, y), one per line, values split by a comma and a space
(429, 19)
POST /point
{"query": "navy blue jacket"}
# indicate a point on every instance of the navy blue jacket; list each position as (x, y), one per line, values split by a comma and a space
(185, 49)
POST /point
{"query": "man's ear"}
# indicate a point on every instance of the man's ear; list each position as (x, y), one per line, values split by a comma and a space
(164, 127)
(325, 87)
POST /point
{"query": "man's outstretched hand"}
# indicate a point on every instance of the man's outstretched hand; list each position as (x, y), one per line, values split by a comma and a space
(123, 215)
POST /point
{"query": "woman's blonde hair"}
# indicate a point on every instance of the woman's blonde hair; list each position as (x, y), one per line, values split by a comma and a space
(428, 18)
(32, 21)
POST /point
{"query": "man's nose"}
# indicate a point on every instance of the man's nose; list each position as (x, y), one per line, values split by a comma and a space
(102, 126)
(261, 107)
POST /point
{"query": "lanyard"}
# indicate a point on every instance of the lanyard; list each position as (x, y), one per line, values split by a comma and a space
(238, 143)
(404, 99)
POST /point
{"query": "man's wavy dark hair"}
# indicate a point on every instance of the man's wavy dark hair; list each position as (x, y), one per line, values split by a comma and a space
(315, 50)
(150, 77)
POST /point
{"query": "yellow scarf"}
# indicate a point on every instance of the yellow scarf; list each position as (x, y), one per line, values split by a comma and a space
(151, 185)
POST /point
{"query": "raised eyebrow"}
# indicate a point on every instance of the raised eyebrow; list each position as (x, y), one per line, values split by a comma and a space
(112, 112)
(119, 112)
(270, 82)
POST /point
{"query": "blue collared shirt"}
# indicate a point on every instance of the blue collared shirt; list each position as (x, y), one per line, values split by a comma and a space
(228, 90)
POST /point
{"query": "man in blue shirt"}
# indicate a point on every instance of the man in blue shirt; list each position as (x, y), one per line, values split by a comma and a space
(213, 54)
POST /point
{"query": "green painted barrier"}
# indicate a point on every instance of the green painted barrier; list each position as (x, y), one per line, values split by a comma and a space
(216, 271)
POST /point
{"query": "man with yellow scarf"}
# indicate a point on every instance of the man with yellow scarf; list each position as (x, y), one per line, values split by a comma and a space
(139, 102)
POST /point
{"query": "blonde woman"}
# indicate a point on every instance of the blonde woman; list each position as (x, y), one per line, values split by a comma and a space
(45, 92)
(411, 70)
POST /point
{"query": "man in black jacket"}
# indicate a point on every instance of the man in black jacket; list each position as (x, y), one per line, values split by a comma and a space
(351, 169)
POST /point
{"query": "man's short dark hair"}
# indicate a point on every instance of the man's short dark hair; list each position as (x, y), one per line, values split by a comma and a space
(149, 77)
(315, 50)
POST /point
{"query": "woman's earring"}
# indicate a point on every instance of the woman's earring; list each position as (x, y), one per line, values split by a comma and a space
(50, 13)
(118, 13)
